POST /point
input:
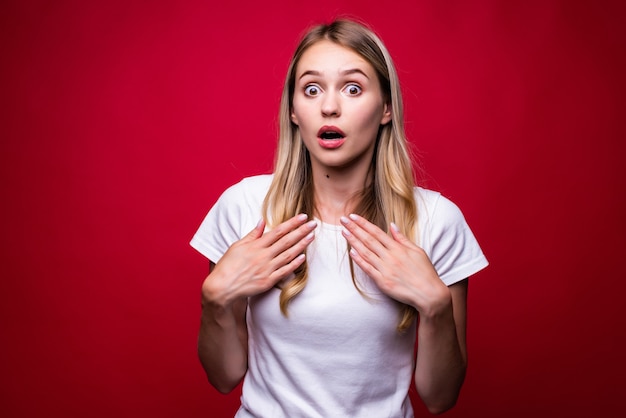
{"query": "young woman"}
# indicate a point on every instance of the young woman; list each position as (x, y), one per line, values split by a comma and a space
(317, 306)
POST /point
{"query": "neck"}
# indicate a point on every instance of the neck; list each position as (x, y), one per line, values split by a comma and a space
(336, 191)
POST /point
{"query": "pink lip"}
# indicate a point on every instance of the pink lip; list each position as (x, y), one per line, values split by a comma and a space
(326, 128)
(330, 143)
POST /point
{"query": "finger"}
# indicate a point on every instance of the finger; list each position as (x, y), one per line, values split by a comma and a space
(295, 241)
(397, 235)
(374, 238)
(257, 232)
(289, 260)
(372, 229)
(369, 269)
(284, 228)
(287, 269)
(362, 251)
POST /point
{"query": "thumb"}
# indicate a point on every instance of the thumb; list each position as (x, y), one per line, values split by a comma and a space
(399, 236)
(257, 232)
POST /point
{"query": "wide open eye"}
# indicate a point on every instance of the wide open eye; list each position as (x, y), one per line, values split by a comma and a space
(352, 89)
(311, 90)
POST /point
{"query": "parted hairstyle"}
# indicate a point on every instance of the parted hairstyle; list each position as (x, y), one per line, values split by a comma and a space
(388, 197)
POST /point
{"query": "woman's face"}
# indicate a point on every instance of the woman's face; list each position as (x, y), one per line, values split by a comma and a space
(338, 106)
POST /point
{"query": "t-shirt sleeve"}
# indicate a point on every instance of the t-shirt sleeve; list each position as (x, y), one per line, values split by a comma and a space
(222, 225)
(454, 251)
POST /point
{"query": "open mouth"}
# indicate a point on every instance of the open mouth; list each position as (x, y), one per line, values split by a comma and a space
(330, 133)
(331, 137)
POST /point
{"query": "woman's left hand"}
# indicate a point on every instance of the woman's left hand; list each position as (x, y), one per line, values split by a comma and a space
(400, 268)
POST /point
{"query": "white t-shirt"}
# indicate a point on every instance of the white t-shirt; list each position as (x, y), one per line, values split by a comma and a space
(338, 353)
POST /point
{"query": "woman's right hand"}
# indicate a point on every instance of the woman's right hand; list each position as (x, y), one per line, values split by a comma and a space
(258, 261)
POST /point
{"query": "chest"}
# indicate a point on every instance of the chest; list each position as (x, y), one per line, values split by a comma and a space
(336, 305)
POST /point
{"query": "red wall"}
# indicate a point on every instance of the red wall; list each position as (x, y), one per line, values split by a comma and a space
(122, 121)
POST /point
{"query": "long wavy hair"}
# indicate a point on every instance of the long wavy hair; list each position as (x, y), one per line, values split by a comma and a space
(389, 196)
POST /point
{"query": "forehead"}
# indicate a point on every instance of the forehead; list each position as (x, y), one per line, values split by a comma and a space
(327, 57)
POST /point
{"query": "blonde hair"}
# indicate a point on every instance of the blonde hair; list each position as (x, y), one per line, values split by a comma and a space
(388, 198)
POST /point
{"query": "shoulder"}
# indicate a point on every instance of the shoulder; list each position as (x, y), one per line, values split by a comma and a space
(433, 207)
(235, 213)
(248, 191)
(261, 180)
(254, 185)
(446, 237)
(242, 202)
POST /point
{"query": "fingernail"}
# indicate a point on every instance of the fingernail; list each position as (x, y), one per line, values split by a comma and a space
(312, 224)
(353, 216)
(395, 227)
(302, 216)
(346, 232)
(310, 236)
(344, 220)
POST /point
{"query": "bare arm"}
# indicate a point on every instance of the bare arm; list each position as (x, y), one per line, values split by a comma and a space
(442, 355)
(223, 341)
(251, 266)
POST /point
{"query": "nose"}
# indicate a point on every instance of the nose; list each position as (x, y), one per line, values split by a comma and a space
(331, 104)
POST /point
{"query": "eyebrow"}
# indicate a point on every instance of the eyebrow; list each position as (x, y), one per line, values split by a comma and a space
(344, 72)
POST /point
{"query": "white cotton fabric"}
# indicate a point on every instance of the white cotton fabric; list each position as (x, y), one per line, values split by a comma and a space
(338, 354)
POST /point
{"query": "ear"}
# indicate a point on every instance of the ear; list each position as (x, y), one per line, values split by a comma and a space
(386, 118)
(294, 119)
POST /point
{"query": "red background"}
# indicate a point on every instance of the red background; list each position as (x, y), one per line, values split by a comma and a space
(122, 122)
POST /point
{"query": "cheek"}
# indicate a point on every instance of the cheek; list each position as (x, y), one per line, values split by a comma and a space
(298, 113)
(369, 117)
